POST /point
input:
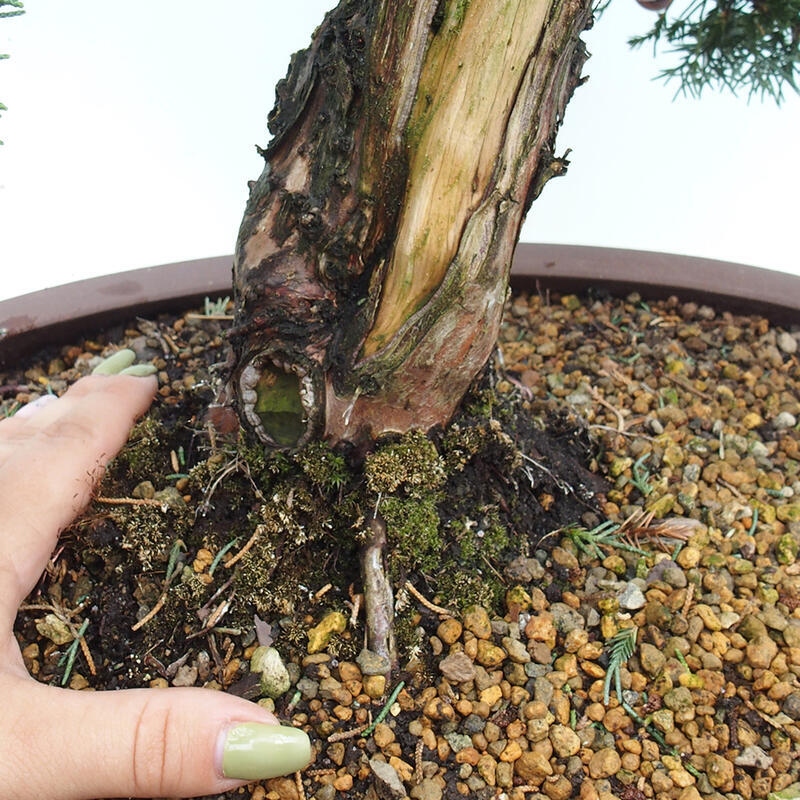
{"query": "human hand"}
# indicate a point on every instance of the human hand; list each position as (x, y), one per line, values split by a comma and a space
(71, 745)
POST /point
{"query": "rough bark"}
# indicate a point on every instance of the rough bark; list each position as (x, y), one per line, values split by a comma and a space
(372, 262)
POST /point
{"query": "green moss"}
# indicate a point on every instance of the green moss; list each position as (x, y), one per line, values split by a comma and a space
(324, 467)
(413, 531)
(411, 465)
(459, 588)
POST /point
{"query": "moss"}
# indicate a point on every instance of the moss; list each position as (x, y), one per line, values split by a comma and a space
(410, 465)
(459, 588)
(413, 531)
(145, 454)
(323, 466)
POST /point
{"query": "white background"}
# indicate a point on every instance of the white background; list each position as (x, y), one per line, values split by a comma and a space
(131, 128)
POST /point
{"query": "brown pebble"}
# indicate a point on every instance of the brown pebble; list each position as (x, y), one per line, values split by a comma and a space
(476, 621)
(532, 767)
(449, 631)
(457, 667)
(604, 763)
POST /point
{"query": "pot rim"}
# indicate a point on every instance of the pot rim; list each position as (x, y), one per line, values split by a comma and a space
(62, 312)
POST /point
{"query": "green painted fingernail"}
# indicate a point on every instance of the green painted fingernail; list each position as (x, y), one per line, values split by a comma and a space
(255, 751)
(139, 370)
(113, 365)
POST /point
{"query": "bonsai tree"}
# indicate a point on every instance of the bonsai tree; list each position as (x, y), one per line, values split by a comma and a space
(409, 141)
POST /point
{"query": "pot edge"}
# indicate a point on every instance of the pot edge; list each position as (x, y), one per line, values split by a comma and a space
(34, 320)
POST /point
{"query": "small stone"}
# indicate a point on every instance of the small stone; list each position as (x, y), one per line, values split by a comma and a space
(490, 655)
(753, 756)
(374, 686)
(343, 783)
(558, 789)
(487, 769)
(518, 599)
(632, 597)
(752, 420)
(540, 628)
(491, 695)
(185, 676)
(372, 663)
(604, 763)
(449, 630)
(791, 706)
(275, 679)
(54, 629)
(719, 772)
(784, 420)
(476, 621)
(760, 651)
(383, 735)
(320, 635)
(652, 659)
(664, 720)
(532, 767)
(427, 789)
(786, 549)
(516, 650)
(389, 783)
(524, 570)
(458, 741)
(786, 342)
(565, 741)
(457, 668)
(709, 617)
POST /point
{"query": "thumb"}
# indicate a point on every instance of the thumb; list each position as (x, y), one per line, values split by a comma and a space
(183, 742)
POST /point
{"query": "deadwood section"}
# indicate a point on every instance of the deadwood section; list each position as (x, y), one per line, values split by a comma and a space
(372, 263)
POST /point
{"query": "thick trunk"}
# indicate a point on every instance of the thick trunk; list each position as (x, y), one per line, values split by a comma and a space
(372, 262)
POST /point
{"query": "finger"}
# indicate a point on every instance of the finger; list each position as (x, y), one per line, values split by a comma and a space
(68, 745)
(49, 463)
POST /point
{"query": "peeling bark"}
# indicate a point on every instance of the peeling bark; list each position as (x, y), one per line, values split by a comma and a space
(372, 264)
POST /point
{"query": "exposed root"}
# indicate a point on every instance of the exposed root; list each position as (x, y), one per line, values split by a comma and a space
(378, 596)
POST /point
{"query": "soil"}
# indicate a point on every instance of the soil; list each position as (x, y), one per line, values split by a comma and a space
(622, 466)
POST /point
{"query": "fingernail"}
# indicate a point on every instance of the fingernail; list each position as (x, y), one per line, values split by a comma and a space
(31, 408)
(256, 751)
(139, 370)
(116, 363)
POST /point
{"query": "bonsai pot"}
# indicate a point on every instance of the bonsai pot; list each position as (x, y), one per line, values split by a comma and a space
(39, 318)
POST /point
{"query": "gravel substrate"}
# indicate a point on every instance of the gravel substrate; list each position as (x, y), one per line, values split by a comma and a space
(695, 416)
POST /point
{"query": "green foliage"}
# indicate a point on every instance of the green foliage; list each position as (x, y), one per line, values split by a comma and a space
(590, 542)
(752, 45)
(16, 10)
(620, 648)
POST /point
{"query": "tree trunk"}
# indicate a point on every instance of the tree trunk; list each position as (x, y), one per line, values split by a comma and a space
(372, 263)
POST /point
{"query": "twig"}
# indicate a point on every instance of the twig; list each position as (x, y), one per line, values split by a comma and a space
(443, 612)
(246, 549)
(159, 604)
(688, 386)
(129, 501)
(615, 411)
(418, 775)
(351, 734)
(195, 315)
